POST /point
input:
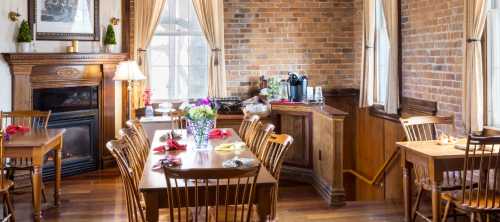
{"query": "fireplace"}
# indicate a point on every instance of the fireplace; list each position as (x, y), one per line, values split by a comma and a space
(75, 109)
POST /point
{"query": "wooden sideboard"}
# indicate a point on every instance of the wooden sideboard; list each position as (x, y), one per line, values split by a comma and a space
(316, 156)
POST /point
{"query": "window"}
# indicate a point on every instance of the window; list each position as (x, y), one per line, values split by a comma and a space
(178, 55)
(382, 47)
(493, 63)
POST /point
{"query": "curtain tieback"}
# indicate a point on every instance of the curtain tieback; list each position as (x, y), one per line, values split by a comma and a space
(369, 47)
(215, 51)
(141, 52)
(473, 40)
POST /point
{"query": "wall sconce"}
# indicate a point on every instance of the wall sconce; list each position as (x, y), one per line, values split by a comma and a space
(114, 21)
(14, 16)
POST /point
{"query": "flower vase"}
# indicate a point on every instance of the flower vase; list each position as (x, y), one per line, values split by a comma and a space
(200, 129)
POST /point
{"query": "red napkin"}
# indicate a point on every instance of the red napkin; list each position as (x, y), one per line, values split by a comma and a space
(218, 134)
(13, 129)
(170, 161)
(171, 145)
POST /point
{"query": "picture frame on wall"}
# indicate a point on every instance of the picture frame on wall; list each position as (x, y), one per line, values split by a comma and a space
(64, 19)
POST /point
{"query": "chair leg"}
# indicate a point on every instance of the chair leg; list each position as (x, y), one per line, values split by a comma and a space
(10, 208)
(446, 210)
(472, 217)
(416, 204)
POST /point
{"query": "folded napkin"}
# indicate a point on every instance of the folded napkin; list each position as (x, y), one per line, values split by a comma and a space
(218, 134)
(170, 146)
(13, 129)
(237, 162)
(169, 161)
(231, 146)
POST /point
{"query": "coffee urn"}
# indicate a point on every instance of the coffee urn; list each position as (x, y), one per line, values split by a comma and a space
(298, 87)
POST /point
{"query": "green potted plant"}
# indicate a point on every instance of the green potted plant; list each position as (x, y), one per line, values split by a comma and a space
(110, 38)
(24, 37)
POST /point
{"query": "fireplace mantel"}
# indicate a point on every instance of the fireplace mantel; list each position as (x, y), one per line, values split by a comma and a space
(52, 70)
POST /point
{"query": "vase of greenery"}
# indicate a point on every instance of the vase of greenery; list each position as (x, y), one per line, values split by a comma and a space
(110, 39)
(201, 119)
(24, 37)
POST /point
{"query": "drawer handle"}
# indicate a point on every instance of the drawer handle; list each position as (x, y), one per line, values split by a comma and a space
(319, 155)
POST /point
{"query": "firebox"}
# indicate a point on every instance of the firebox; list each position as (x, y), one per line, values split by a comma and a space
(76, 109)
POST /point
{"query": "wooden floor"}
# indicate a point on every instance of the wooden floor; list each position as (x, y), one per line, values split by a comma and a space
(98, 196)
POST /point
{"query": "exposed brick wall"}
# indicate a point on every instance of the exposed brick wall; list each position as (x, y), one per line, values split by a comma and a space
(433, 52)
(357, 40)
(264, 37)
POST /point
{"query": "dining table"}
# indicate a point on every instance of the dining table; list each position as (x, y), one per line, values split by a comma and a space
(436, 159)
(35, 144)
(153, 182)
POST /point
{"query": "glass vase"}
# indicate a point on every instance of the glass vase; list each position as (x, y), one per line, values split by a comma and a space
(200, 129)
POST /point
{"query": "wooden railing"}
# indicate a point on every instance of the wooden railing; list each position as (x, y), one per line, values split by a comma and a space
(375, 181)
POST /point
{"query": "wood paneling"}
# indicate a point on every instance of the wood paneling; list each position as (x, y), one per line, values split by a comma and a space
(298, 126)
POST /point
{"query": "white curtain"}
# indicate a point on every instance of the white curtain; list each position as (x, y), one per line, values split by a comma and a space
(367, 87)
(392, 23)
(211, 17)
(473, 109)
(147, 14)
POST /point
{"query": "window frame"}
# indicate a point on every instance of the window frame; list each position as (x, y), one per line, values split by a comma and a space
(486, 75)
(172, 64)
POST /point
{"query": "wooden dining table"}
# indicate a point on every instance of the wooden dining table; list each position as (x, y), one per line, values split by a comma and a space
(435, 158)
(153, 183)
(35, 144)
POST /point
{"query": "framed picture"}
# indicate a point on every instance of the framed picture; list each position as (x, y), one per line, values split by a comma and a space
(64, 19)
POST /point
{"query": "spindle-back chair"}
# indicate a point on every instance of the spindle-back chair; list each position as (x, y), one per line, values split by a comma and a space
(34, 120)
(424, 128)
(481, 198)
(211, 195)
(177, 120)
(119, 149)
(272, 157)
(137, 127)
(5, 186)
(246, 127)
(259, 135)
(136, 155)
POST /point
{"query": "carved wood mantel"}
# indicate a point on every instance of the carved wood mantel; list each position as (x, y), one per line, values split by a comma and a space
(53, 70)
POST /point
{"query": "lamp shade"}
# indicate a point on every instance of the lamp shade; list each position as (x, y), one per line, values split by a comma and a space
(128, 70)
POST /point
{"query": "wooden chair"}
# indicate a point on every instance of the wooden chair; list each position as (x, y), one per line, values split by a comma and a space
(273, 155)
(423, 128)
(191, 197)
(137, 127)
(118, 148)
(135, 153)
(33, 120)
(177, 120)
(246, 127)
(482, 199)
(261, 132)
(5, 186)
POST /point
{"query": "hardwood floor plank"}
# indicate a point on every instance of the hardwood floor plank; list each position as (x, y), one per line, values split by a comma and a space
(98, 196)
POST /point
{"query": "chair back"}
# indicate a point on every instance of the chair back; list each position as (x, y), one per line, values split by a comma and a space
(137, 127)
(136, 154)
(274, 151)
(118, 148)
(230, 191)
(259, 136)
(482, 157)
(246, 127)
(422, 128)
(177, 120)
(31, 119)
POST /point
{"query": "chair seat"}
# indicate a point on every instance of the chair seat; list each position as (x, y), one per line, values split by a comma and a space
(476, 204)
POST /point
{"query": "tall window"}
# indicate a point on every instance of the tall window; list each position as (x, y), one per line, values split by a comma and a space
(382, 47)
(178, 54)
(493, 63)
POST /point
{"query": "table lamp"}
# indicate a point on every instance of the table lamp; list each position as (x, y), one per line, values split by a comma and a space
(128, 71)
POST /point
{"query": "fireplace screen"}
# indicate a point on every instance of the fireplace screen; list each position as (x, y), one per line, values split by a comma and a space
(66, 99)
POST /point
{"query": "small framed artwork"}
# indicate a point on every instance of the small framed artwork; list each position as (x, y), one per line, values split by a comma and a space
(64, 19)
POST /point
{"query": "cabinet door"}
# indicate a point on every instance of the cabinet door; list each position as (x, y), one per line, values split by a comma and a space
(298, 126)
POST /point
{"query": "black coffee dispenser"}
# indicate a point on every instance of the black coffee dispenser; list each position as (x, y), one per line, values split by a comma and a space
(298, 87)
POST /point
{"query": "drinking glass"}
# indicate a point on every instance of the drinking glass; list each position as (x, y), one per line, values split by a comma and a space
(318, 94)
